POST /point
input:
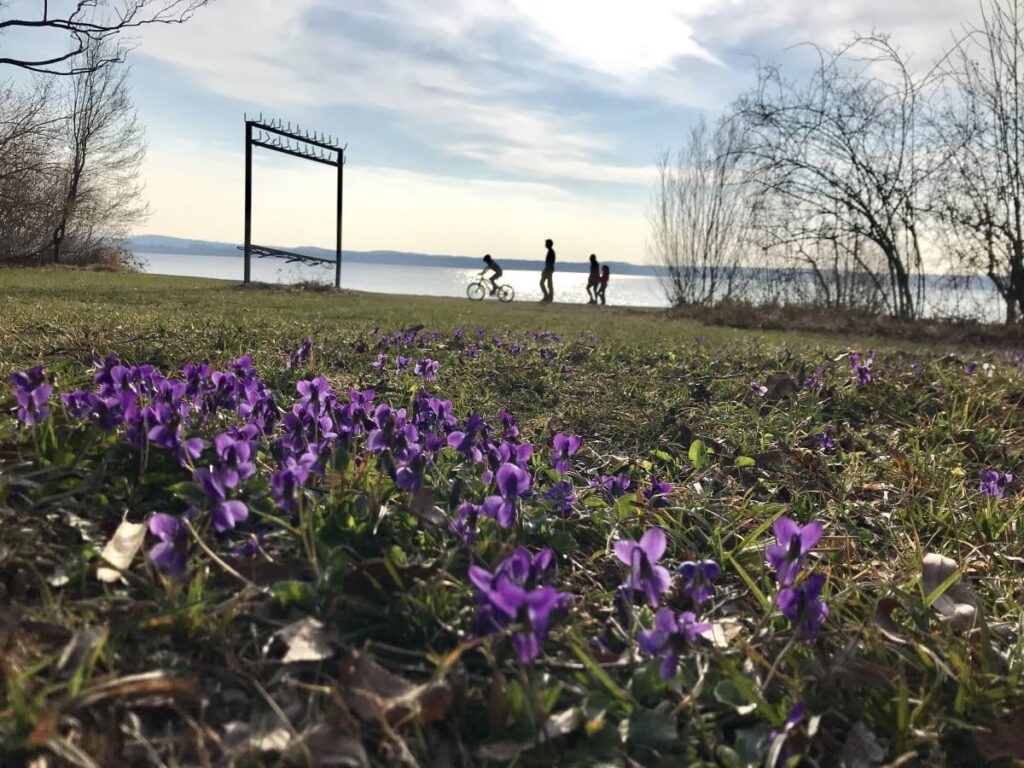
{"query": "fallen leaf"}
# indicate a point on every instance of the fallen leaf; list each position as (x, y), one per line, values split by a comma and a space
(374, 693)
(957, 604)
(305, 640)
(1005, 738)
(121, 550)
(861, 749)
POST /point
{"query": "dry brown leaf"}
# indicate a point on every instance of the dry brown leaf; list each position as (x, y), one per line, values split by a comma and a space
(958, 604)
(121, 550)
(1005, 738)
(306, 640)
(374, 693)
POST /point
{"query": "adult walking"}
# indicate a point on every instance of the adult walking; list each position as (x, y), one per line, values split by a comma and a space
(546, 285)
(594, 280)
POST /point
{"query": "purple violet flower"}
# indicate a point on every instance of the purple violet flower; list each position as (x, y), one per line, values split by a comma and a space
(993, 483)
(32, 394)
(616, 485)
(794, 542)
(658, 493)
(862, 366)
(512, 483)
(645, 576)
(225, 514)
(464, 525)
(671, 637)
(510, 595)
(171, 552)
(300, 356)
(758, 388)
(561, 493)
(564, 447)
(698, 579)
(826, 440)
(803, 606)
(427, 369)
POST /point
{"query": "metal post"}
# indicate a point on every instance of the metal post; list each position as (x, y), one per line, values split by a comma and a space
(341, 185)
(248, 201)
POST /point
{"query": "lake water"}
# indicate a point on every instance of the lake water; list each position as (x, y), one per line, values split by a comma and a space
(624, 290)
(630, 290)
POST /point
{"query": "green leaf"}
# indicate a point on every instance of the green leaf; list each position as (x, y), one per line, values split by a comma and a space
(649, 728)
(745, 461)
(727, 693)
(699, 455)
(297, 593)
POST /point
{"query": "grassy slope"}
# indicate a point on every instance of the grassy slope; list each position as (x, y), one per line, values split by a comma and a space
(905, 482)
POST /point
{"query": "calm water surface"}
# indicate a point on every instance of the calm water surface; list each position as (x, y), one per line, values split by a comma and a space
(623, 290)
(631, 290)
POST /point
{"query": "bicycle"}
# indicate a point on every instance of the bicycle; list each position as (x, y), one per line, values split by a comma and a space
(476, 291)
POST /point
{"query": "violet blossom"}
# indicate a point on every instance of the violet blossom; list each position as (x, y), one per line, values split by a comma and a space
(794, 542)
(671, 636)
(32, 394)
(698, 580)
(171, 552)
(803, 606)
(564, 446)
(993, 483)
(645, 576)
(512, 483)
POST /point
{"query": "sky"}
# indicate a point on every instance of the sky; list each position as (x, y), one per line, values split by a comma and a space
(472, 126)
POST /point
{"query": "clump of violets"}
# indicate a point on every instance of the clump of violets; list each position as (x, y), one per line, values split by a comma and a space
(793, 543)
(32, 394)
(993, 484)
(300, 356)
(862, 366)
(673, 634)
(803, 606)
(826, 440)
(513, 595)
(565, 446)
(646, 577)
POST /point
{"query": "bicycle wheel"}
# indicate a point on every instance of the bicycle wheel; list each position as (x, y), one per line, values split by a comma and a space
(476, 291)
(506, 294)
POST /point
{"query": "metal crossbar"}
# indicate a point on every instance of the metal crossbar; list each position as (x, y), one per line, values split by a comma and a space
(291, 257)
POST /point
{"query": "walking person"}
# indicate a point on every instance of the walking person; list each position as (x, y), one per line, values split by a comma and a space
(603, 283)
(492, 265)
(594, 280)
(546, 285)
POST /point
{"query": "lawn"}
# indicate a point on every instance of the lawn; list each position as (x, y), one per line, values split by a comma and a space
(558, 535)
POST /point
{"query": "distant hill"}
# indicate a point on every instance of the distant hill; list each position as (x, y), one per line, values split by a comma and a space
(180, 245)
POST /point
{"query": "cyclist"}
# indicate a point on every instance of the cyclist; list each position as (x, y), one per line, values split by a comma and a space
(492, 265)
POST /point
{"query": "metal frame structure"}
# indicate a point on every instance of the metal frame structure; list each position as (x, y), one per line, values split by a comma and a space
(278, 136)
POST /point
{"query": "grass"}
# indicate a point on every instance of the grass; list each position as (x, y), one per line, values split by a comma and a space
(154, 670)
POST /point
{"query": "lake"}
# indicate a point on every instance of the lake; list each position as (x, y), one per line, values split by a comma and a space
(571, 287)
(624, 290)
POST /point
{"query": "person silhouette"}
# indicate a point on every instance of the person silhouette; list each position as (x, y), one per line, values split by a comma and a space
(604, 283)
(492, 265)
(546, 285)
(593, 280)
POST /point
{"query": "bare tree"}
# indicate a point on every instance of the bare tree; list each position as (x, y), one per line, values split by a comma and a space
(981, 190)
(105, 148)
(89, 25)
(698, 216)
(29, 160)
(842, 149)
